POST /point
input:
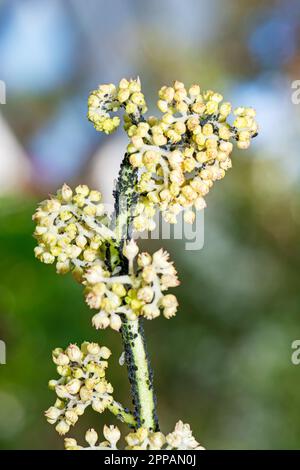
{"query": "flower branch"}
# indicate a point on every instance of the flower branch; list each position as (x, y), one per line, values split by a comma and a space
(170, 165)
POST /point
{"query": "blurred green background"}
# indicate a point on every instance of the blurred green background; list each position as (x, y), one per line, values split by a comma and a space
(224, 363)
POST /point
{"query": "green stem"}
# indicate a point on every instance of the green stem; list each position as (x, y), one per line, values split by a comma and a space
(140, 374)
(122, 414)
(125, 200)
(137, 361)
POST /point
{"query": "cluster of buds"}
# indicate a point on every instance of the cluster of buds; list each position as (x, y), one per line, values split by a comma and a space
(154, 275)
(107, 294)
(180, 439)
(81, 384)
(181, 154)
(108, 99)
(71, 228)
(111, 434)
(140, 293)
(142, 439)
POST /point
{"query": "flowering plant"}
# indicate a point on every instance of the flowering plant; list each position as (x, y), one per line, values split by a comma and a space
(170, 164)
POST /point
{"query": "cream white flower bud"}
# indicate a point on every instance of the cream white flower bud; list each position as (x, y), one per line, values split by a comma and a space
(66, 193)
(200, 204)
(52, 384)
(150, 311)
(146, 294)
(79, 409)
(93, 348)
(62, 427)
(189, 217)
(130, 250)
(70, 444)
(61, 391)
(149, 274)
(71, 417)
(157, 440)
(94, 274)
(52, 414)
(73, 386)
(169, 312)
(47, 258)
(105, 352)
(115, 322)
(100, 320)
(111, 434)
(160, 259)
(74, 353)
(91, 437)
(98, 405)
(169, 300)
(144, 259)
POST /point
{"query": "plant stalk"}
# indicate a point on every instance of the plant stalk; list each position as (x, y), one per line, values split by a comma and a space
(140, 374)
(138, 365)
(122, 414)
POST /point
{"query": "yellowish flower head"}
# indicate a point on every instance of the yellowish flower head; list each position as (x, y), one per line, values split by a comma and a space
(181, 154)
(71, 229)
(108, 99)
(81, 384)
(140, 293)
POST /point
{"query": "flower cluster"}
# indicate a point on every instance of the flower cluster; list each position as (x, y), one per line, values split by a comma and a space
(82, 383)
(111, 434)
(140, 293)
(171, 164)
(108, 99)
(183, 153)
(142, 439)
(180, 439)
(71, 229)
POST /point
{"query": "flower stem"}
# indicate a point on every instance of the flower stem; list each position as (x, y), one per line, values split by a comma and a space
(122, 414)
(137, 361)
(140, 374)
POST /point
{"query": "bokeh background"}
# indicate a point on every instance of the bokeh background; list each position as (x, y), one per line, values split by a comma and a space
(224, 363)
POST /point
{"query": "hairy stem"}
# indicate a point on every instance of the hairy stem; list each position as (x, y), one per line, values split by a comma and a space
(137, 361)
(122, 414)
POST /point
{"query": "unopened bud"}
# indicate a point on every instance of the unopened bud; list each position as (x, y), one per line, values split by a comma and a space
(91, 437)
(62, 428)
(111, 434)
(130, 250)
